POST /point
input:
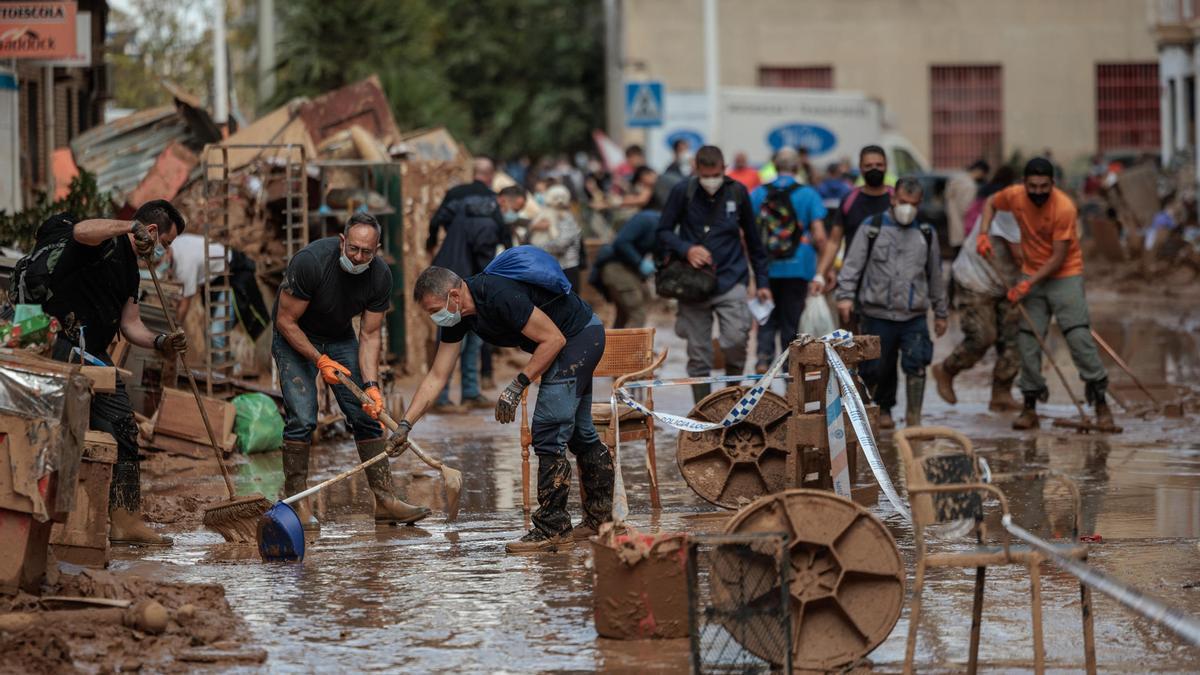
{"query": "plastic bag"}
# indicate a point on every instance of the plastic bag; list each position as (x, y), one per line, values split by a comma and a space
(817, 320)
(258, 425)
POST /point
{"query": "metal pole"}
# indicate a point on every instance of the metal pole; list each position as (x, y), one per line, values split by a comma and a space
(48, 90)
(614, 74)
(220, 66)
(711, 75)
(266, 52)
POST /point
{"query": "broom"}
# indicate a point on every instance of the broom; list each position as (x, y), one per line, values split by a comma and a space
(236, 519)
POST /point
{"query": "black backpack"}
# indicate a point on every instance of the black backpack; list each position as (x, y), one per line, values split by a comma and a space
(781, 229)
(31, 276)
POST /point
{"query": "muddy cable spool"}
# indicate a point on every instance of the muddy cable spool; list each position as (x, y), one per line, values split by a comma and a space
(846, 587)
(735, 465)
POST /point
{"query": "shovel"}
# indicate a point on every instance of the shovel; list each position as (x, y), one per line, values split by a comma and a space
(451, 478)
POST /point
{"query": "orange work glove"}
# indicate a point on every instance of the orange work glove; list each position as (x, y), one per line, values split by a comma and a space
(376, 405)
(1019, 291)
(330, 368)
(983, 245)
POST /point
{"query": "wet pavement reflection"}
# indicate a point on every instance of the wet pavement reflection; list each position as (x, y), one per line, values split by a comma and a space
(446, 597)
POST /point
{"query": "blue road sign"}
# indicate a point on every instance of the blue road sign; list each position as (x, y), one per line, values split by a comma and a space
(644, 104)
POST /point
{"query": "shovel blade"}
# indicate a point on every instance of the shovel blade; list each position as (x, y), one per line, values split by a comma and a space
(280, 535)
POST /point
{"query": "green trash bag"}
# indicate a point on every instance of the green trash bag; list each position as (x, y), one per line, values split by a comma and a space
(259, 426)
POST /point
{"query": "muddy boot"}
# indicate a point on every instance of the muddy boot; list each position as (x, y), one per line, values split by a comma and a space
(699, 391)
(295, 479)
(596, 477)
(126, 527)
(551, 522)
(885, 420)
(1095, 392)
(914, 389)
(1002, 398)
(388, 507)
(944, 377)
(1028, 419)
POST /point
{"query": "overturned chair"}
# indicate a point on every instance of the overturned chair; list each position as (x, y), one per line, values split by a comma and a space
(628, 356)
(944, 486)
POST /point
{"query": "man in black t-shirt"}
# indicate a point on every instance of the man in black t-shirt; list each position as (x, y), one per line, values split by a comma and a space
(93, 293)
(873, 197)
(566, 340)
(327, 284)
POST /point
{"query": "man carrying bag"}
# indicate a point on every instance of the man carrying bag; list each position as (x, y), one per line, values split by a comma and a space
(704, 267)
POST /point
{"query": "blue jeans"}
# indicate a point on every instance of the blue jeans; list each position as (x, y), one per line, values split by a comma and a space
(469, 368)
(903, 342)
(299, 383)
(562, 417)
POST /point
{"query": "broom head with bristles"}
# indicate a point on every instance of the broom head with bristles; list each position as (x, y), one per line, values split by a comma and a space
(237, 520)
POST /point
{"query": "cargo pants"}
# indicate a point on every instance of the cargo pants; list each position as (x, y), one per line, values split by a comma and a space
(1064, 300)
(694, 324)
(986, 322)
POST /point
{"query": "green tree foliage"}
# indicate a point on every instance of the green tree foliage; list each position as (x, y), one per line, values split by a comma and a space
(83, 199)
(159, 40)
(508, 77)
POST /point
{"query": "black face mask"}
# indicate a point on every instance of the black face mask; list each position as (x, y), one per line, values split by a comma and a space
(1038, 199)
(873, 177)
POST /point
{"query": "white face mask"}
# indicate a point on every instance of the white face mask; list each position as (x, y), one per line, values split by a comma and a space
(444, 317)
(712, 184)
(349, 266)
(904, 213)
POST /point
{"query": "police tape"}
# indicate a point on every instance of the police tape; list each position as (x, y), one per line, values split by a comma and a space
(1183, 625)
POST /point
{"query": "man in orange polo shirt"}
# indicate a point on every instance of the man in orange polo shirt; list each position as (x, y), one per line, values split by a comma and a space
(1051, 284)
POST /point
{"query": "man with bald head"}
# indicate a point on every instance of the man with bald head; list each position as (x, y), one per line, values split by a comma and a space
(475, 228)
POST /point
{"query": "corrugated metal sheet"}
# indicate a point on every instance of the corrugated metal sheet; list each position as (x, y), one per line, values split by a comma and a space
(122, 153)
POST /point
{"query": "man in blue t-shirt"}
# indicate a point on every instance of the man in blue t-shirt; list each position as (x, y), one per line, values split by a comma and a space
(789, 276)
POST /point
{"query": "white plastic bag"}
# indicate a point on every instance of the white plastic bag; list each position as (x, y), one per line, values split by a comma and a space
(817, 319)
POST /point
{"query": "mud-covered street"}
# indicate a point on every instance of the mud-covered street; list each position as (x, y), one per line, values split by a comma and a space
(446, 597)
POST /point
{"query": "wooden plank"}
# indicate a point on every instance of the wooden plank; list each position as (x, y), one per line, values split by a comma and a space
(865, 348)
(179, 416)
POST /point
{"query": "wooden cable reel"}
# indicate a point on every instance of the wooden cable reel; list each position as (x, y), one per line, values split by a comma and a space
(846, 579)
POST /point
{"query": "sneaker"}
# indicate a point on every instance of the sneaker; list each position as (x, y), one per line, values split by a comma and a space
(945, 383)
(1028, 419)
(587, 529)
(479, 403)
(536, 541)
(446, 409)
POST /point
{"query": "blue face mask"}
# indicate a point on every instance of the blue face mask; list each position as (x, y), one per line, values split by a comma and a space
(511, 217)
(444, 317)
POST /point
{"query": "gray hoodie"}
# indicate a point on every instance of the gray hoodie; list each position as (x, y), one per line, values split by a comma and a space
(902, 280)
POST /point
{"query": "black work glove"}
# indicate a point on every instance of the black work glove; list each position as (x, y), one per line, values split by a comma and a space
(171, 344)
(510, 398)
(143, 241)
(398, 441)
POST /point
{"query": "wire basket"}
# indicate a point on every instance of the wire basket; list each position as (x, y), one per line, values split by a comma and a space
(739, 610)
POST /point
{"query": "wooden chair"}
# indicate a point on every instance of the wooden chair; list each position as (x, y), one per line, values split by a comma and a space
(628, 356)
(947, 487)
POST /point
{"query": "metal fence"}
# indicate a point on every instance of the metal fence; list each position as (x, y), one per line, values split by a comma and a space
(739, 608)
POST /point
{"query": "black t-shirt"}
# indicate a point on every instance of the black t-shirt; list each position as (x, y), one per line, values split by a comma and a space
(503, 307)
(864, 207)
(94, 283)
(334, 295)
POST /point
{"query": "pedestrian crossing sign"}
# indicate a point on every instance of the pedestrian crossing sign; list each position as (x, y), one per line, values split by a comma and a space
(644, 104)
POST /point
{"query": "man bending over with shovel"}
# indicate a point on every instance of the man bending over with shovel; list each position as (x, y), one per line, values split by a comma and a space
(327, 284)
(566, 340)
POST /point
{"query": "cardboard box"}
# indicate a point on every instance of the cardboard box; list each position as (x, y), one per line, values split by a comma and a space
(179, 416)
(83, 538)
(104, 378)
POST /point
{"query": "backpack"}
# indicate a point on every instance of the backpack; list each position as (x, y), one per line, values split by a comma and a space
(531, 265)
(781, 231)
(873, 228)
(32, 274)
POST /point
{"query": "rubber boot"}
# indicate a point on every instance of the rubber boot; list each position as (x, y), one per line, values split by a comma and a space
(1028, 419)
(388, 507)
(127, 527)
(885, 420)
(944, 377)
(551, 522)
(295, 479)
(699, 391)
(1002, 398)
(1095, 392)
(914, 389)
(596, 477)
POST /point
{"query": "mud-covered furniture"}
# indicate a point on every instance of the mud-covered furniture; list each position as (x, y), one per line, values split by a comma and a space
(628, 356)
(946, 487)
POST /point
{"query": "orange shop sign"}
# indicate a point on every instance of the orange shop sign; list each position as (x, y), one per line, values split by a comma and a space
(37, 30)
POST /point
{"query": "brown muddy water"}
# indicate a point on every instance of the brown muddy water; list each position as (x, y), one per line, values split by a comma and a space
(446, 597)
